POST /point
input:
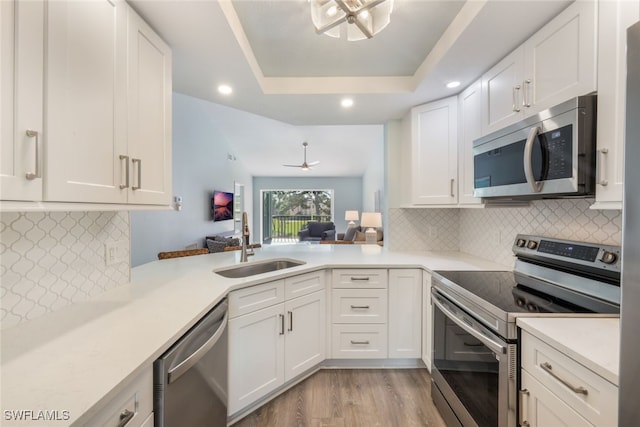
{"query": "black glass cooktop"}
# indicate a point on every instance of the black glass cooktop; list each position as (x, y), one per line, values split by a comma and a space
(501, 289)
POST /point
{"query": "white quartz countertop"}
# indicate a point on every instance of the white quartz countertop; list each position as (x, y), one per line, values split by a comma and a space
(591, 341)
(77, 358)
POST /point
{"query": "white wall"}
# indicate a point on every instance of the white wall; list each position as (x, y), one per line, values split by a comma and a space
(200, 165)
(373, 177)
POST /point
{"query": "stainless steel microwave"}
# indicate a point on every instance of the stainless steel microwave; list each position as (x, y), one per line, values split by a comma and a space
(549, 155)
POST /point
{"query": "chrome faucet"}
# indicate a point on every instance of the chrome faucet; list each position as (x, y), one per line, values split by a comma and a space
(246, 252)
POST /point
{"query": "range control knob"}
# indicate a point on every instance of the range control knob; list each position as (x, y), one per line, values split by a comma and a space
(532, 244)
(609, 258)
(520, 243)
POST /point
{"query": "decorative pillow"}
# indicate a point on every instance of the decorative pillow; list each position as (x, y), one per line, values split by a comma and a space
(215, 246)
(360, 236)
(230, 241)
(350, 233)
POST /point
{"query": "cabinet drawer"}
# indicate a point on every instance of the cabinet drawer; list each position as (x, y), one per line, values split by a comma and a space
(254, 298)
(359, 278)
(359, 306)
(599, 406)
(303, 284)
(136, 398)
(359, 341)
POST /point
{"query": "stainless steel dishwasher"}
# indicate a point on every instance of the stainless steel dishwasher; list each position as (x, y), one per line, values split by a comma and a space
(190, 379)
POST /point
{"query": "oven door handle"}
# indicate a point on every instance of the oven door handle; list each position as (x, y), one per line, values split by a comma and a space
(494, 346)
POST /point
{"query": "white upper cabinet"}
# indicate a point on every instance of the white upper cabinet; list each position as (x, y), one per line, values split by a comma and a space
(555, 64)
(613, 18)
(149, 109)
(21, 83)
(470, 128)
(434, 140)
(106, 105)
(86, 101)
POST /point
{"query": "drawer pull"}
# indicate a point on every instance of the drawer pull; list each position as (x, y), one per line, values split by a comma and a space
(363, 307)
(523, 419)
(360, 342)
(125, 417)
(359, 279)
(578, 390)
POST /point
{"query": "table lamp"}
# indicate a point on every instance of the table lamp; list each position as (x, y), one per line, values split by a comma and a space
(351, 216)
(372, 220)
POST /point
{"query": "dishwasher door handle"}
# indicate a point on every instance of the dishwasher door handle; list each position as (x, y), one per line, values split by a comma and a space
(186, 364)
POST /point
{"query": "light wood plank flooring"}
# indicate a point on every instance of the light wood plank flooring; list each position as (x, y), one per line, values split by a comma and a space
(352, 398)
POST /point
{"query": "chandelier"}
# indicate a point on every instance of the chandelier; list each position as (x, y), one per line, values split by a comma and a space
(366, 17)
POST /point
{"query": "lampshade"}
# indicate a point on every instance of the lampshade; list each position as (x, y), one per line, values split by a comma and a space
(371, 219)
(365, 18)
(351, 216)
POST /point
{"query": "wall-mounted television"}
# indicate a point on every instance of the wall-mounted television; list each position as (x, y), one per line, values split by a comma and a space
(222, 206)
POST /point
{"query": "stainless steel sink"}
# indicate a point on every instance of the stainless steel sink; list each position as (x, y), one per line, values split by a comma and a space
(259, 267)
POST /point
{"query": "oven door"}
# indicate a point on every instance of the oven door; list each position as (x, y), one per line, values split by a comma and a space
(474, 370)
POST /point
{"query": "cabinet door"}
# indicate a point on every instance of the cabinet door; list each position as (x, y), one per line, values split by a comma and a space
(560, 59)
(427, 321)
(21, 83)
(149, 114)
(256, 356)
(305, 341)
(470, 128)
(405, 313)
(86, 101)
(435, 152)
(502, 92)
(613, 19)
(542, 408)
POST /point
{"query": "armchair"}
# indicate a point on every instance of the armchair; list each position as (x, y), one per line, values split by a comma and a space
(317, 231)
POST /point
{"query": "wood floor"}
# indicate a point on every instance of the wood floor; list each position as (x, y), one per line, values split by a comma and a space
(352, 398)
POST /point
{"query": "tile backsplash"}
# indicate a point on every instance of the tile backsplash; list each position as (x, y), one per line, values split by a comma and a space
(489, 233)
(54, 259)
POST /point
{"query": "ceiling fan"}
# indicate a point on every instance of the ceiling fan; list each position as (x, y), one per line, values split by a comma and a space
(304, 166)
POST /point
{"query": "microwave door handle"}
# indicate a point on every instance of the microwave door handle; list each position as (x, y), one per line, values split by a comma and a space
(536, 186)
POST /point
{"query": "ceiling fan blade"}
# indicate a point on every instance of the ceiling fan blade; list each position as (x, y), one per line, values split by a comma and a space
(317, 162)
(293, 166)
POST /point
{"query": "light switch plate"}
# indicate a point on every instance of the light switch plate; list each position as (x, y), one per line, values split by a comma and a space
(115, 252)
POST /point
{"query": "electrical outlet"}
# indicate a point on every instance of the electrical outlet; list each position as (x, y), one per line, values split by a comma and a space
(115, 252)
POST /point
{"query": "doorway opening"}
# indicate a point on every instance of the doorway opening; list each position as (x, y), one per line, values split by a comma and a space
(286, 212)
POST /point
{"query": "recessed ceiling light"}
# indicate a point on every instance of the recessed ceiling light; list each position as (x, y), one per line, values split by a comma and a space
(225, 89)
(453, 84)
(332, 11)
(347, 103)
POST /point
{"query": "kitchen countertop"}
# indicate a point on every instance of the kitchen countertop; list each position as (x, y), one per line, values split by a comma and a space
(593, 342)
(77, 359)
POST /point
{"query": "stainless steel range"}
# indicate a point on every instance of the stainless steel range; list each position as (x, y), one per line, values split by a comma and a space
(475, 354)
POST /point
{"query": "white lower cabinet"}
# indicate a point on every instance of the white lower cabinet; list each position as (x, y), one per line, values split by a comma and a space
(271, 345)
(132, 406)
(405, 313)
(556, 390)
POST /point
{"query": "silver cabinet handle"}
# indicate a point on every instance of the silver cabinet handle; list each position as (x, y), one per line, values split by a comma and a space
(290, 321)
(515, 107)
(602, 167)
(546, 366)
(281, 324)
(359, 279)
(523, 420)
(33, 175)
(139, 162)
(362, 307)
(360, 342)
(452, 182)
(526, 85)
(536, 186)
(125, 417)
(126, 168)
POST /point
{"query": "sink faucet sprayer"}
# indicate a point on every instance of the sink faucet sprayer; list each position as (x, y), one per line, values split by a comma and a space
(245, 253)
